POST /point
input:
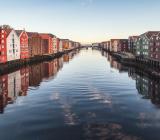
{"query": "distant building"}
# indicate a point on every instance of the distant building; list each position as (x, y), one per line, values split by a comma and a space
(60, 45)
(118, 45)
(114, 45)
(132, 44)
(104, 45)
(96, 45)
(55, 44)
(123, 45)
(65, 44)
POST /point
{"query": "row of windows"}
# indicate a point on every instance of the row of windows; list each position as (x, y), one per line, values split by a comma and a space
(153, 56)
(2, 53)
(155, 44)
(10, 51)
(143, 53)
(157, 38)
(1, 46)
(156, 49)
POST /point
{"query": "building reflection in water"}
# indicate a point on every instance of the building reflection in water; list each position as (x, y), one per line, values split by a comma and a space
(147, 86)
(17, 83)
(110, 131)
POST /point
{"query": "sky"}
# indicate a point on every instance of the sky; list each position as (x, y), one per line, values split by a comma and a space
(85, 21)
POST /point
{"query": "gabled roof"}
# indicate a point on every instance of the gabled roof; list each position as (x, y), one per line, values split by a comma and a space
(149, 34)
(19, 32)
(30, 34)
(8, 31)
(133, 37)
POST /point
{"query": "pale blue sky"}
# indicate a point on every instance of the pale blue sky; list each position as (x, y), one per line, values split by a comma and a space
(83, 20)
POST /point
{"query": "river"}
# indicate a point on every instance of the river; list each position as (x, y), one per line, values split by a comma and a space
(85, 95)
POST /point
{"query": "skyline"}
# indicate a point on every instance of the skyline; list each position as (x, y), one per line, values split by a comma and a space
(85, 21)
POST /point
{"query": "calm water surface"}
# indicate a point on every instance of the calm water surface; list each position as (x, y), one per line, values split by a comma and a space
(85, 95)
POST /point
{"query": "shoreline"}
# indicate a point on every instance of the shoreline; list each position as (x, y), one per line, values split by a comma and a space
(18, 64)
(133, 62)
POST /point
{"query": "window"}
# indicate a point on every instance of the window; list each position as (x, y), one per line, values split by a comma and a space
(157, 38)
(156, 49)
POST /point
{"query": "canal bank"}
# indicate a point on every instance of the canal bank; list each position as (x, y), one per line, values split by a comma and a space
(131, 61)
(17, 64)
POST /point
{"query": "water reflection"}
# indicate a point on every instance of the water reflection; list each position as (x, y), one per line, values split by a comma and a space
(147, 87)
(17, 83)
(109, 131)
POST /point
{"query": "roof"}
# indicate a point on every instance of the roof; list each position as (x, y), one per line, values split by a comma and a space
(19, 32)
(8, 31)
(30, 34)
(46, 35)
(149, 34)
(133, 37)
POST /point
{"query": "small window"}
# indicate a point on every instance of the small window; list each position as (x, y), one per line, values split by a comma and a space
(157, 38)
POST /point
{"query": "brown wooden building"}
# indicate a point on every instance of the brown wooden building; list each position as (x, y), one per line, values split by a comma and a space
(34, 44)
(154, 49)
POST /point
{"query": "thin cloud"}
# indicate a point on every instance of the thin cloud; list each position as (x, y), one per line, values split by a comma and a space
(86, 2)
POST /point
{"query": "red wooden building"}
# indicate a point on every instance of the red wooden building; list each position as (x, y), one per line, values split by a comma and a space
(34, 44)
(3, 44)
(58, 44)
(24, 50)
(154, 49)
(47, 43)
(123, 45)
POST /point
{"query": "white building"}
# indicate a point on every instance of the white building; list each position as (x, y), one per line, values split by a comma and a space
(13, 46)
(55, 44)
(60, 46)
(70, 44)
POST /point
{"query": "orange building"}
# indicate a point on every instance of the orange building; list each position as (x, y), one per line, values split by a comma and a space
(65, 44)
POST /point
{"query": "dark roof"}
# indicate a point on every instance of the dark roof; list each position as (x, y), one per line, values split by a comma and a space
(19, 32)
(8, 31)
(149, 34)
(30, 34)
